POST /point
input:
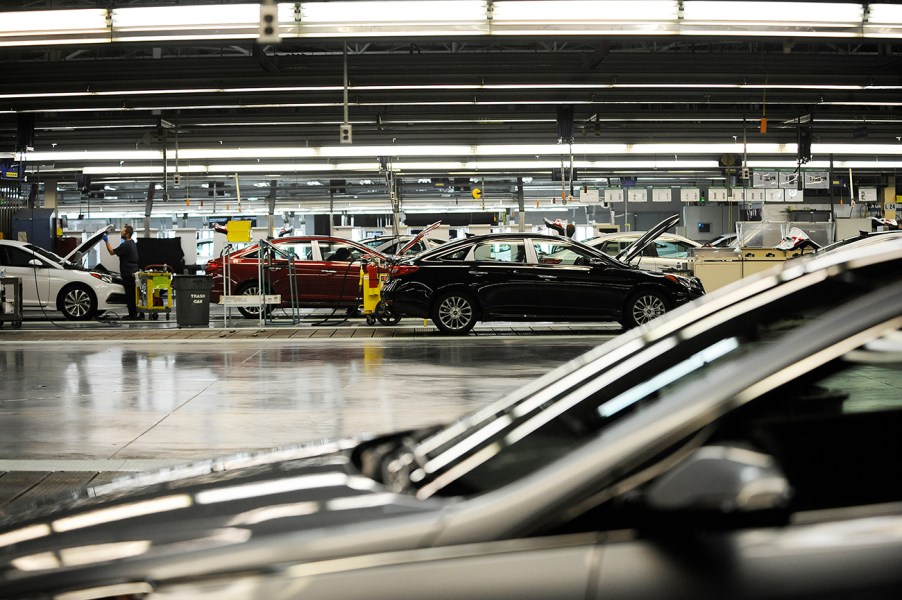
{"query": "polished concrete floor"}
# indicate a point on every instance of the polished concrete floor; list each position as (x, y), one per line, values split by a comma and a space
(132, 396)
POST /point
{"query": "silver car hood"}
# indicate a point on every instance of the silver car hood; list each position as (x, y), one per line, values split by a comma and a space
(633, 250)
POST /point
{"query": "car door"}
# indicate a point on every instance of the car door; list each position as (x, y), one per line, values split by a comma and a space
(303, 269)
(338, 280)
(34, 272)
(502, 277)
(571, 283)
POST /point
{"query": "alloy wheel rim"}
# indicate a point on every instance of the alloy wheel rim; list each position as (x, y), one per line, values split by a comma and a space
(252, 291)
(647, 308)
(455, 312)
(77, 303)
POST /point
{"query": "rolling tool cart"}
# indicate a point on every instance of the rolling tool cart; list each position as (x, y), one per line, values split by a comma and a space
(11, 301)
(372, 278)
(153, 291)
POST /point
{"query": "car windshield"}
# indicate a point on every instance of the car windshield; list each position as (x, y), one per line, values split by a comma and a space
(47, 255)
(539, 423)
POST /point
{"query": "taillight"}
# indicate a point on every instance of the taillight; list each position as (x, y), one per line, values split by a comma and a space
(401, 270)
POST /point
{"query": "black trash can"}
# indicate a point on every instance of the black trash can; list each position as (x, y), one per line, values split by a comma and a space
(192, 299)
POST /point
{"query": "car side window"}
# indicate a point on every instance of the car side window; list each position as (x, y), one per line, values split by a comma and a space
(672, 249)
(558, 254)
(338, 252)
(301, 250)
(509, 252)
(18, 258)
(458, 255)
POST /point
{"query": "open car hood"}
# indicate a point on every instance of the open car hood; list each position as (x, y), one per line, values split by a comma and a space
(418, 237)
(633, 250)
(77, 255)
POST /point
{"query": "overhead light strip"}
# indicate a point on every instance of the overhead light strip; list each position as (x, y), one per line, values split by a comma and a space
(443, 87)
(393, 18)
(461, 151)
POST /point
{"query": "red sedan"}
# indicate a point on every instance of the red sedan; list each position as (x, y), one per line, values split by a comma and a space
(326, 272)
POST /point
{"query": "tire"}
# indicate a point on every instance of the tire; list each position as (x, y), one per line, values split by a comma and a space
(385, 315)
(644, 306)
(250, 288)
(77, 302)
(454, 313)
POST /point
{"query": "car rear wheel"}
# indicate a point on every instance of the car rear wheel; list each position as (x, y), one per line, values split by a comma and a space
(250, 288)
(644, 306)
(454, 313)
(77, 302)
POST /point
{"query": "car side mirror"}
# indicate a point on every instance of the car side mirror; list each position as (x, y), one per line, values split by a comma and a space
(35, 263)
(721, 479)
(597, 263)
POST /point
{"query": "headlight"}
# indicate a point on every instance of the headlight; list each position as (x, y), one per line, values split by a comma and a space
(102, 277)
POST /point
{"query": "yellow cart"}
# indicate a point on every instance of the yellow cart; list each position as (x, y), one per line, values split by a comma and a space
(372, 278)
(153, 291)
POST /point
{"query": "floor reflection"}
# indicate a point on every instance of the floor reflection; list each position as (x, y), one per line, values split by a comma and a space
(197, 400)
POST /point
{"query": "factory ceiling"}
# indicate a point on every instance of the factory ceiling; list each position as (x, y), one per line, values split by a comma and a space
(443, 113)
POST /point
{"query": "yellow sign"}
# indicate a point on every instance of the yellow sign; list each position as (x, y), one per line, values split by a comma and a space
(239, 231)
(476, 193)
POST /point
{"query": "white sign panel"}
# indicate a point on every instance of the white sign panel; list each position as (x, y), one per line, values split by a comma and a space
(773, 195)
(737, 195)
(789, 179)
(793, 196)
(689, 194)
(817, 180)
(637, 195)
(588, 196)
(613, 195)
(661, 195)
(753, 195)
(717, 195)
(765, 179)
(867, 194)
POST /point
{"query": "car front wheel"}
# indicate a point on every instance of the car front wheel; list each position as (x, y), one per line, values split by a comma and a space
(454, 313)
(644, 306)
(78, 303)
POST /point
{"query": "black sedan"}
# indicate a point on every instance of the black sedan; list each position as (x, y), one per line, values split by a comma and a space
(740, 447)
(529, 277)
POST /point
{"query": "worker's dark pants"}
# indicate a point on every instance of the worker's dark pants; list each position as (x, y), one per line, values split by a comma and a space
(128, 281)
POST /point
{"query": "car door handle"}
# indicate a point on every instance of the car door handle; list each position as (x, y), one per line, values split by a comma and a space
(479, 272)
(329, 271)
(547, 276)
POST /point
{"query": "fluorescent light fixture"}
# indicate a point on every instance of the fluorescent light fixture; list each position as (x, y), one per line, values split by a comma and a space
(885, 14)
(43, 27)
(549, 11)
(91, 155)
(51, 22)
(399, 11)
(237, 153)
(585, 17)
(800, 19)
(772, 13)
(884, 21)
(209, 16)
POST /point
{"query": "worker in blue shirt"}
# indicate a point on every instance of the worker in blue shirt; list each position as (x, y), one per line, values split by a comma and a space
(128, 266)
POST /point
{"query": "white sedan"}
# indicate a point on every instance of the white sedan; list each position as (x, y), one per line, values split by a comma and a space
(669, 252)
(51, 282)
